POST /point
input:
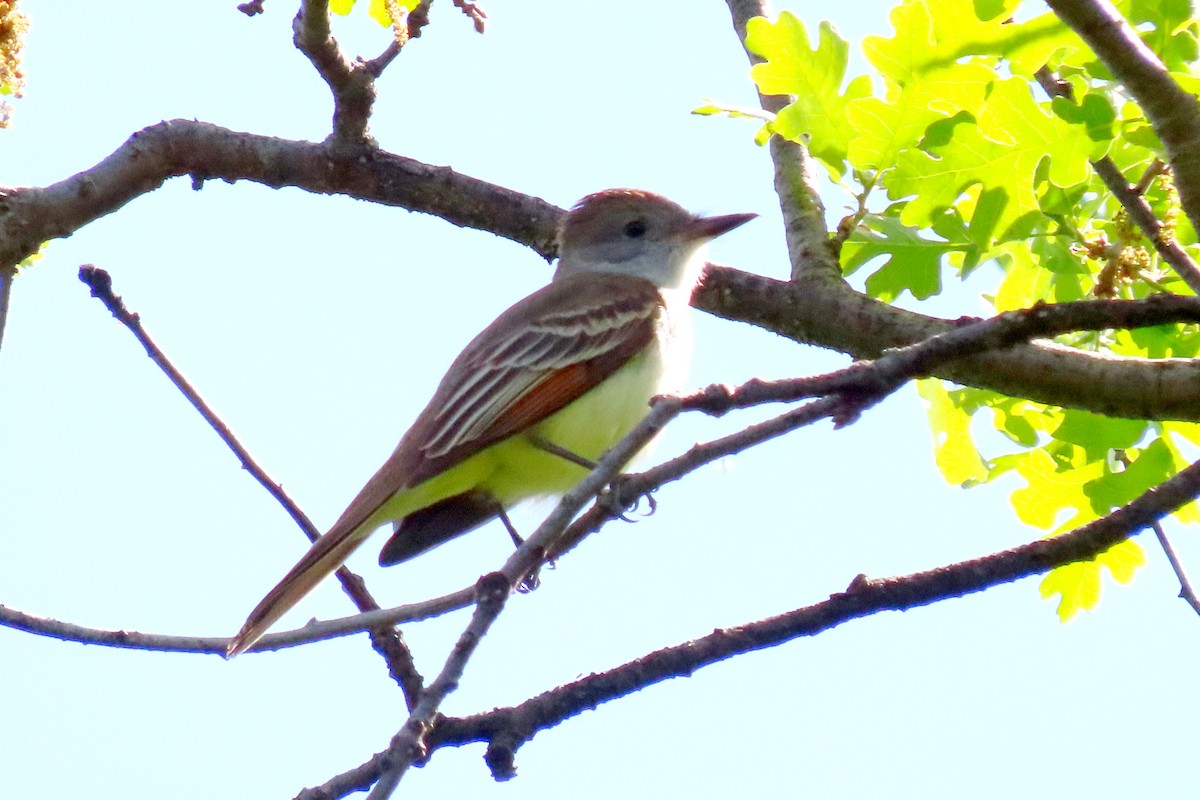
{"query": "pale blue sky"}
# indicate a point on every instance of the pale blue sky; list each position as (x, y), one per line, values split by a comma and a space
(319, 326)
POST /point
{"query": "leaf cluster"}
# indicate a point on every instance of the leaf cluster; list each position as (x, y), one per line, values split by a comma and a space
(972, 145)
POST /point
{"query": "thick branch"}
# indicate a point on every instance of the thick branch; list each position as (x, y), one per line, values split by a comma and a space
(824, 313)
(832, 316)
(30, 216)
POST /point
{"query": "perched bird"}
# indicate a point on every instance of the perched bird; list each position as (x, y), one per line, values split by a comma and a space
(541, 393)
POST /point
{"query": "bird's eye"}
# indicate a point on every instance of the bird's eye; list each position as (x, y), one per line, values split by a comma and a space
(635, 229)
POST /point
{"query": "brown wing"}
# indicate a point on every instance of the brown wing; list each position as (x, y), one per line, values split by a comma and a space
(542, 353)
(538, 356)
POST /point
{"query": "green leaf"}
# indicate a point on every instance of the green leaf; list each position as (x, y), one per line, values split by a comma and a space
(954, 450)
(1097, 434)
(1078, 584)
(1051, 490)
(714, 107)
(1161, 341)
(935, 34)
(817, 115)
(1173, 35)
(1002, 151)
(912, 263)
(1095, 113)
(717, 108)
(1024, 283)
(376, 9)
(885, 127)
(1147, 469)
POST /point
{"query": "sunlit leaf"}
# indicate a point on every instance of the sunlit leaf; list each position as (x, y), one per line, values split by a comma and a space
(814, 76)
(954, 450)
(1078, 584)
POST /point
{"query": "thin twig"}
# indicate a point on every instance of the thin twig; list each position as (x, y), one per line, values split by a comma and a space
(408, 746)
(643, 484)
(100, 284)
(377, 65)
(7, 276)
(1185, 585)
(473, 12)
(388, 643)
(1156, 168)
(969, 338)
(217, 645)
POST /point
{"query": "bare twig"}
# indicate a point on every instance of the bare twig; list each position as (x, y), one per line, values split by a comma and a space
(1152, 172)
(845, 320)
(474, 13)
(7, 276)
(1186, 591)
(387, 642)
(377, 65)
(408, 746)
(638, 485)
(217, 645)
(252, 8)
(418, 18)
(100, 284)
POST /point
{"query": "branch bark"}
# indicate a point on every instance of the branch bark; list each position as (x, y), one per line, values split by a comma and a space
(817, 311)
(506, 729)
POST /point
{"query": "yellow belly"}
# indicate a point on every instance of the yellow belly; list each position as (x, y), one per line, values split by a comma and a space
(514, 470)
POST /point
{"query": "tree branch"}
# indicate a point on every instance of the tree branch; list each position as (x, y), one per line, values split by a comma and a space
(7, 276)
(1131, 198)
(825, 313)
(506, 729)
(409, 746)
(846, 392)
(1174, 113)
(841, 319)
(812, 253)
(388, 642)
(352, 85)
(30, 216)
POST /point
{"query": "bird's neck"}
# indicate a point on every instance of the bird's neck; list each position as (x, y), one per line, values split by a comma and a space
(676, 271)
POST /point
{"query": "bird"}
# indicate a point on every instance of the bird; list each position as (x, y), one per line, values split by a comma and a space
(538, 395)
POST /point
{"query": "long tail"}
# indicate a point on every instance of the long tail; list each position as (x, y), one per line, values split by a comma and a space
(326, 555)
